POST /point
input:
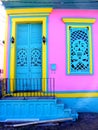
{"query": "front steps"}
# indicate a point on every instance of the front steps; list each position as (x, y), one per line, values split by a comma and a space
(39, 109)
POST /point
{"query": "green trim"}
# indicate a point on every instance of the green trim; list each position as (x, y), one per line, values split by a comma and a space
(68, 49)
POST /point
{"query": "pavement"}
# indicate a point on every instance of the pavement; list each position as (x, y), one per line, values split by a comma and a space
(86, 121)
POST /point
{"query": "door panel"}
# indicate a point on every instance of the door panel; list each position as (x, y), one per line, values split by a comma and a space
(36, 50)
(22, 44)
(29, 57)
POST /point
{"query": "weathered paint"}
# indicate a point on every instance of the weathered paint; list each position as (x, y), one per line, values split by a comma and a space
(57, 52)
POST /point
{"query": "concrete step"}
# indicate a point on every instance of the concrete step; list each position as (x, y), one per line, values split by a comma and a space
(28, 109)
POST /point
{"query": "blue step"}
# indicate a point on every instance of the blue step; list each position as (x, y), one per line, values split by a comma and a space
(34, 109)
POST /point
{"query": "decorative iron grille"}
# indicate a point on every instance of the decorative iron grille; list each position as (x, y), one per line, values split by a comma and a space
(22, 57)
(79, 50)
(35, 57)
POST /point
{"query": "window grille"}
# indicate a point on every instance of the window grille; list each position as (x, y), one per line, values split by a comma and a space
(79, 50)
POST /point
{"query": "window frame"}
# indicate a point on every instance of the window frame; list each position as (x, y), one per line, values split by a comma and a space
(79, 23)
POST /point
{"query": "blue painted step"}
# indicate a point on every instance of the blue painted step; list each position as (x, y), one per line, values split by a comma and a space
(41, 109)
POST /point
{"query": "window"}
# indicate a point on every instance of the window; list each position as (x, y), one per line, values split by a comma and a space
(79, 51)
(79, 47)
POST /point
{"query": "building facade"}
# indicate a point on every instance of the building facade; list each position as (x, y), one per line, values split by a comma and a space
(56, 41)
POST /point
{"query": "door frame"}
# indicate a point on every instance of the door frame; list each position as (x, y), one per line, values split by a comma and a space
(16, 21)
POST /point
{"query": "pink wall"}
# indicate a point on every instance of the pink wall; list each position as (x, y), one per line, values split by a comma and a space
(1, 59)
(57, 52)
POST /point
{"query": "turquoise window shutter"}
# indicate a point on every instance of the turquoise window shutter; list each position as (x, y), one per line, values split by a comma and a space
(79, 50)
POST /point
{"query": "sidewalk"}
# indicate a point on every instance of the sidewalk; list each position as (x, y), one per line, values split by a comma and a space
(86, 121)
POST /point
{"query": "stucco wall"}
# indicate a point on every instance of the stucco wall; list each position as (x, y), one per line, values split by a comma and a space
(56, 48)
(57, 52)
(2, 36)
(1, 59)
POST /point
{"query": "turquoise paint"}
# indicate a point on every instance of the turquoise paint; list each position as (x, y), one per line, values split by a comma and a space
(11, 17)
(38, 16)
(81, 104)
(66, 45)
(77, 73)
(41, 109)
(78, 46)
(28, 56)
(92, 49)
(53, 67)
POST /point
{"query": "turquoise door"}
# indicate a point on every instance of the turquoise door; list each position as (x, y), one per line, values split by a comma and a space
(29, 57)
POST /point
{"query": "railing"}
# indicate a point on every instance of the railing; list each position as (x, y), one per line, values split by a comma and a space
(36, 87)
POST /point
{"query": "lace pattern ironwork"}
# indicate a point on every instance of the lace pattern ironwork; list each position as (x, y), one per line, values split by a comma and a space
(22, 57)
(79, 50)
(36, 57)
